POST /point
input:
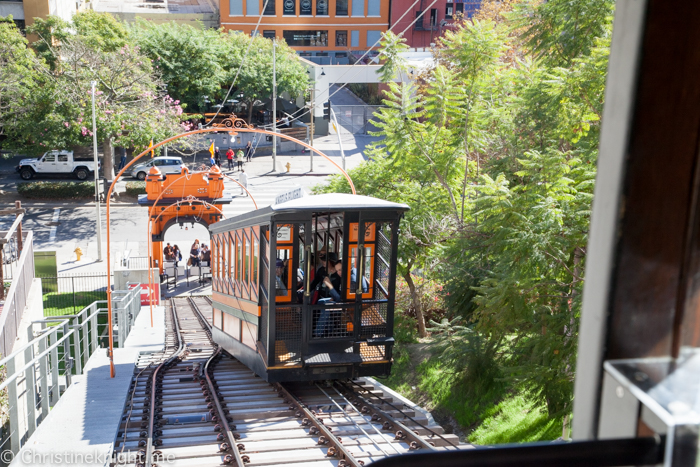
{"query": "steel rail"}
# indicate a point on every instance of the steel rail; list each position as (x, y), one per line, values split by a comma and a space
(383, 435)
(154, 376)
(389, 423)
(336, 449)
(232, 445)
(391, 419)
(131, 404)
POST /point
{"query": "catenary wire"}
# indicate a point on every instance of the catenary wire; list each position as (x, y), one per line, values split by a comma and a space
(341, 86)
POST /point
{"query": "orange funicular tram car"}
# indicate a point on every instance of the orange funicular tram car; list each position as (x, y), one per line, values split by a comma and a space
(304, 290)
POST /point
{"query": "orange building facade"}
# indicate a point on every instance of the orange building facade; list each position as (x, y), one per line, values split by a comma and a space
(322, 31)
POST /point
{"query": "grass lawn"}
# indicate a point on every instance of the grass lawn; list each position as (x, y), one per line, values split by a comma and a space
(57, 303)
(493, 415)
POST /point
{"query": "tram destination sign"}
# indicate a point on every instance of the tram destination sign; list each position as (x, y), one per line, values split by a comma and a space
(294, 193)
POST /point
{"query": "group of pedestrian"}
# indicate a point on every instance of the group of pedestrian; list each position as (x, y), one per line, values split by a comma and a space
(172, 253)
(239, 157)
(199, 255)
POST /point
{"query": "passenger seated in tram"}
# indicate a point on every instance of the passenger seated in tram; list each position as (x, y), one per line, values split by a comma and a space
(319, 271)
(280, 287)
(329, 291)
(332, 284)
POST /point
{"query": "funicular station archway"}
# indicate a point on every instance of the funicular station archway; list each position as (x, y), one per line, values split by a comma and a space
(179, 199)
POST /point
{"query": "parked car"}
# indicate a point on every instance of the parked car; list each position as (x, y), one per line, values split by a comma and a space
(166, 165)
(56, 162)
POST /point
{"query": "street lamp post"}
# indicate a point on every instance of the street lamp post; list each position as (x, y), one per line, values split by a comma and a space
(274, 105)
(96, 172)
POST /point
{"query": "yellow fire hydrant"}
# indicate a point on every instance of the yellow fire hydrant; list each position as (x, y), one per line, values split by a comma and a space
(78, 252)
(288, 166)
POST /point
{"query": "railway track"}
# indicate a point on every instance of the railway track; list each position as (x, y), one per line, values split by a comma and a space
(194, 405)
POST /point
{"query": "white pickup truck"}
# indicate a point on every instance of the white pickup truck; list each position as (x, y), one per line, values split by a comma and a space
(56, 163)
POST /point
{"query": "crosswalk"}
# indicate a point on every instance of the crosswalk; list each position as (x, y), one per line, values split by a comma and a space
(263, 189)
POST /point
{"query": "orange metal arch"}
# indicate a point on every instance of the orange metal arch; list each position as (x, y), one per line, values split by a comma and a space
(108, 196)
(150, 247)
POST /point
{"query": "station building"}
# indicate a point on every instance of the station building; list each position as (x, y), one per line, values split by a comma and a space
(326, 32)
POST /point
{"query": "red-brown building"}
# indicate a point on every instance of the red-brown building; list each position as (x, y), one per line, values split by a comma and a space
(424, 30)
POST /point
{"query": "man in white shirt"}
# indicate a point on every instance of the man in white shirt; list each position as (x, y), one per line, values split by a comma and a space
(243, 180)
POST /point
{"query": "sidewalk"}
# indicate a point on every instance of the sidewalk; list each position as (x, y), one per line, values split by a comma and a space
(300, 163)
(86, 419)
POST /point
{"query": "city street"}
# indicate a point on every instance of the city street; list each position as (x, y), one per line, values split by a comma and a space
(64, 226)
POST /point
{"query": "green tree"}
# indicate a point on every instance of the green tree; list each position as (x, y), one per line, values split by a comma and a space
(558, 31)
(191, 61)
(254, 80)
(131, 106)
(100, 31)
(394, 64)
(19, 74)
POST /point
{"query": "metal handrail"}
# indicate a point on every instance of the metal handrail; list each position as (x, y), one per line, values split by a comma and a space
(74, 339)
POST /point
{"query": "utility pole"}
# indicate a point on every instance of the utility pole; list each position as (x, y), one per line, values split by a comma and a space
(274, 106)
(336, 127)
(311, 126)
(96, 172)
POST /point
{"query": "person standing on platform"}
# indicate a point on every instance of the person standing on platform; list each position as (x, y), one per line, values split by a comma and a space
(239, 159)
(194, 254)
(177, 254)
(217, 156)
(168, 252)
(229, 157)
(243, 180)
(248, 151)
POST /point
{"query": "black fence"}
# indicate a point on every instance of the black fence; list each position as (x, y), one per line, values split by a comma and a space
(67, 294)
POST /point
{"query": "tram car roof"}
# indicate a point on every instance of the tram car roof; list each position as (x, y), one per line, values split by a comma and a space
(315, 203)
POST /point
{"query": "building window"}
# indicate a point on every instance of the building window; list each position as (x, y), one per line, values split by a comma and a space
(373, 8)
(341, 38)
(358, 7)
(289, 7)
(433, 17)
(252, 7)
(459, 8)
(373, 37)
(449, 9)
(306, 38)
(322, 7)
(341, 7)
(355, 39)
(305, 8)
(235, 7)
(419, 20)
(269, 34)
(269, 8)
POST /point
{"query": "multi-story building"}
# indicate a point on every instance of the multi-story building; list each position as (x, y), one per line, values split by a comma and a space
(24, 11)
(322, 31)
(421, 31)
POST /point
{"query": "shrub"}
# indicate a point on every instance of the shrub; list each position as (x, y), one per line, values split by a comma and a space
(135, 188)
(56, 190)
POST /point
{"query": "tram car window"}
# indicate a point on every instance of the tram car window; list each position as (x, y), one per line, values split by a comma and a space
(304, 290)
